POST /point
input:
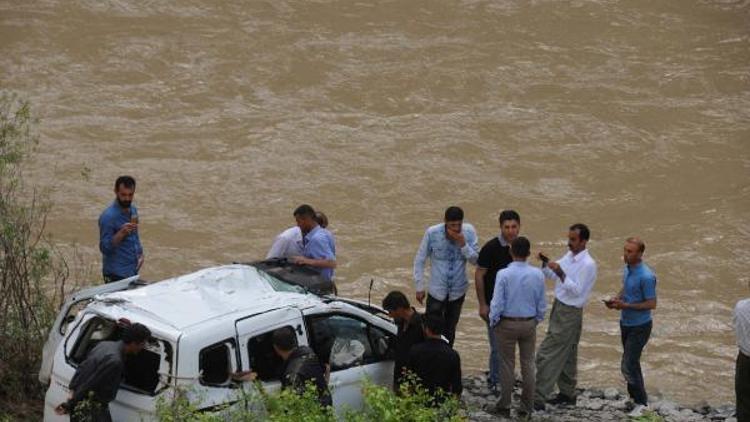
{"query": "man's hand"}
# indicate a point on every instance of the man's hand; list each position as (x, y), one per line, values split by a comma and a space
(456, 236)
(420, 297)
(300, 260)
(128, 228)
(245, 376)
(617, 303)
(555, 267)
(484, 312)
(61, 409)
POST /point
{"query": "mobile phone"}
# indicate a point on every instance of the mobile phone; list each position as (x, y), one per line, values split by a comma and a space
(543, 257)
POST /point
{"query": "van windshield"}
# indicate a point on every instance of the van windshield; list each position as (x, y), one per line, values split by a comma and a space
(281, 286)
(148, 372)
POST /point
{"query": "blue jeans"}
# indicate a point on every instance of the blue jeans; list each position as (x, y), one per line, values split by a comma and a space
(493, 377)
(634, 339)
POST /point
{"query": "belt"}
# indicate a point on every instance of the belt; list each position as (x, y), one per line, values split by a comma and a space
(517, 318)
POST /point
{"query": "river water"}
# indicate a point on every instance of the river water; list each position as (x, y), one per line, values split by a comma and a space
(631, 116)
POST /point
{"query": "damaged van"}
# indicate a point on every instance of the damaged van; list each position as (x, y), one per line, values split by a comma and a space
(212, 323)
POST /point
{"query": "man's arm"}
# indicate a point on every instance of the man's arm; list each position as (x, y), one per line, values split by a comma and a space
(484, 309)
(457, 386)
(541, 301)
(470, 250)
(497, 305)
(578, 282)
(419, 261)
(320, 254)
(111, 237)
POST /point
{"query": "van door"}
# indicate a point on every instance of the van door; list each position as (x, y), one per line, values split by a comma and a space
(355, 349)
(76, 302)
(254, 338)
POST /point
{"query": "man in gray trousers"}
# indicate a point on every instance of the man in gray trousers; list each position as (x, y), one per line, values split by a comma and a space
(517, 306)
(557, 360)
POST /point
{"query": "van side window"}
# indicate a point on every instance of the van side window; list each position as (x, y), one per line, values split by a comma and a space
(216, 364)
(263, 360)
(340, 340)
(148, 372)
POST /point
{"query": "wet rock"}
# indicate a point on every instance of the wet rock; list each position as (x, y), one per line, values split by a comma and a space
(594, 393)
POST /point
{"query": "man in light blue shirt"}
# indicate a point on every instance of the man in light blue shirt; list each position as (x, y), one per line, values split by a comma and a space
(448, 246)
(636, 300)
(119, 242)
(318, 244)
(517, 306)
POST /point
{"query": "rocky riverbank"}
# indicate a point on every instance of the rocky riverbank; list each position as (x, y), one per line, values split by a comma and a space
(593, 404)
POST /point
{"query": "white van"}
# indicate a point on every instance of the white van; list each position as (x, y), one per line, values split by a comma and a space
(212, 323)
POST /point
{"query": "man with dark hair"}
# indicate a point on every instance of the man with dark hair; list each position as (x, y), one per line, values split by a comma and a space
(434, 362)
(301, 365)
(448, 246)
(409, 323)
(318, 244)
(289, 244)
(493, 257)
(98, 377)
(119, 242)
(517, 306)
(636, 299)
(557, 360)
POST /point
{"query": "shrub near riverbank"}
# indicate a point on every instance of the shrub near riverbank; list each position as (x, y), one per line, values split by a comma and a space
(32, 272)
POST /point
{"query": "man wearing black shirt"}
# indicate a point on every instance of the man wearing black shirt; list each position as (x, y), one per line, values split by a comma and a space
(409, 323)
(494, 256)
(301, 365)
(435, 363)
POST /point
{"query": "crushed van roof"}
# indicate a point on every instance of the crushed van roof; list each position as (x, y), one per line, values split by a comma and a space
(211, 293)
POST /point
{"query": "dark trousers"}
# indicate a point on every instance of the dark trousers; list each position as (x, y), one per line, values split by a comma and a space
(634, 339)
(742, 387)
(449, 310)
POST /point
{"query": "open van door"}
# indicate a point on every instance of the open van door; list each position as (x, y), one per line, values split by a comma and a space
(68, 312)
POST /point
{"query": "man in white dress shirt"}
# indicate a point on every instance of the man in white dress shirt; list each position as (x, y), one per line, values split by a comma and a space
(557, 359)
(289, 242)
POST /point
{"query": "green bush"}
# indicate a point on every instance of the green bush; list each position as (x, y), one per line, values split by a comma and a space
(412, 404)
(31, 272)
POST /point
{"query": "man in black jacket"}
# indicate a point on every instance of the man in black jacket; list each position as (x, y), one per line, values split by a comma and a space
(410, 332)
(301, 365)
(98, 377)
(435, 363)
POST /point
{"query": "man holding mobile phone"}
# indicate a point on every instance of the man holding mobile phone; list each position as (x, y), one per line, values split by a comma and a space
(636, 300)
(448, 246)
(557, 360)
(119, 242)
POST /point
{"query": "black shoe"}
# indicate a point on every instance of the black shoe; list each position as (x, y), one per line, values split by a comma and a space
(562, 400)
(539, 406)
(502, 413)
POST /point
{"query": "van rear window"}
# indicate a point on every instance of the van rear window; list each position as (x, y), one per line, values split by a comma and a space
(148, 372)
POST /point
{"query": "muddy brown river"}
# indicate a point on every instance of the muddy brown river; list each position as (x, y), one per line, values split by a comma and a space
(630, 116)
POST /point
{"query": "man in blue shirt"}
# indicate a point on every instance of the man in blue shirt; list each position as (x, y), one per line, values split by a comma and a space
(636, 300)
(517, 306)
(318, 244)
(119, 243)
(448, 245)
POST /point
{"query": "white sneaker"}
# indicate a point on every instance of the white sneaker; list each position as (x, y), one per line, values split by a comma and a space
(638, 411)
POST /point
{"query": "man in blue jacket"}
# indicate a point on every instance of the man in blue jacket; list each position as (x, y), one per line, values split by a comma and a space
(119, 243)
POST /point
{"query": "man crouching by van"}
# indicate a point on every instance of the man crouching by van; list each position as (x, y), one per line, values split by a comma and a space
(300, 365)
(98, 376)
